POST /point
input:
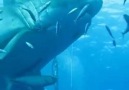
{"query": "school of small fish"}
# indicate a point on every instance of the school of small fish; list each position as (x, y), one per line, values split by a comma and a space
(80, 15)
(126, 18)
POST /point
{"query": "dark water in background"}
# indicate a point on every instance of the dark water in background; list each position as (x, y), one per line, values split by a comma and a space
(92, 62)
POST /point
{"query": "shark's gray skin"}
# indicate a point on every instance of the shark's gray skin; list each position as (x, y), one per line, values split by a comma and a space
(20, 61)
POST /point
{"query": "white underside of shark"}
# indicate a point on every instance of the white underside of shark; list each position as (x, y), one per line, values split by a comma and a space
(22, 64)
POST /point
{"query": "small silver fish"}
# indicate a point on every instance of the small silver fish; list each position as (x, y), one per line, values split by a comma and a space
(109, 31)
(126, 17)
(114, 43)
(29, 45)
(2, 51)
(45, 6)
(82, 12)
(87, 26)
(124, 2)
(72, 11)
(57, 27)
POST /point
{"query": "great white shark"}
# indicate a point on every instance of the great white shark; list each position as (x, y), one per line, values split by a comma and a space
(34, 21)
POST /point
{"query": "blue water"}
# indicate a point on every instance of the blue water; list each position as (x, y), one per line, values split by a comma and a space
(92, 62)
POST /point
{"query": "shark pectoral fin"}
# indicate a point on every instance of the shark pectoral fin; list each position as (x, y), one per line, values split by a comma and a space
(36, 80)
(11, 44)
